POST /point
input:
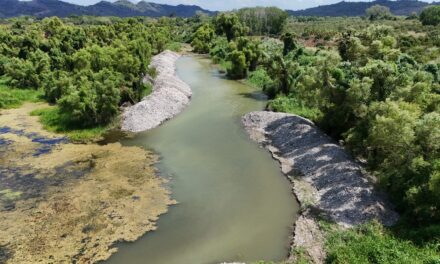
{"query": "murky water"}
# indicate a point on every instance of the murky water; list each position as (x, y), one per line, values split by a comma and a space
(234, 204)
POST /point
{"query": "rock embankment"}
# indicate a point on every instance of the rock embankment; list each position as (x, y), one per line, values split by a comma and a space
(169, 97)
(325, 178)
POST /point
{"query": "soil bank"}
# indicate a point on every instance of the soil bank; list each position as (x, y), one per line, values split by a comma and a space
(325, 179)
(169, 97)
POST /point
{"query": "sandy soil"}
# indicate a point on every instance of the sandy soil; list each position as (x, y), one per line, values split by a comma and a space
(170, 96)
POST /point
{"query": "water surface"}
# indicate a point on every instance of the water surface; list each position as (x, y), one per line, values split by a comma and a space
(234, 204)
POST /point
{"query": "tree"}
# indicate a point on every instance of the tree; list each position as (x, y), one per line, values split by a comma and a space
(263, 20)
(28, 73)
(289, 43)
(238, 68)
(383, 75)
(203, 38)
(93, 99)
(56, 84)
(377, 12)
(430, 16)
(352, 49)
(283, 74)
(251, 49)
(230, 26)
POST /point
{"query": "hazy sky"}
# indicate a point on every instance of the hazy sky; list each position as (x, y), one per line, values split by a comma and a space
(231, 4)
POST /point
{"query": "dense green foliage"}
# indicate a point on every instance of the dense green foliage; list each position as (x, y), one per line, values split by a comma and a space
(372, 85)
(202, 39)
(229, 25)
(378, 12)
(431, 16)
(369, 91)
(263, 20)
(88, 70)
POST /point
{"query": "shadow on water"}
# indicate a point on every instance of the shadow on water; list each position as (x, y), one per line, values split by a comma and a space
(21, 182)
(259, 96)
(45, 144)
(113, 136)
(5, 254)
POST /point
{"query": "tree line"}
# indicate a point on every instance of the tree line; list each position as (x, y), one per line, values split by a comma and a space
(88, 70)
(375, 88)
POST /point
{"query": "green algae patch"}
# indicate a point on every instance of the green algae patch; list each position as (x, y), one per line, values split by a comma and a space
(9, 194)
(63, 202)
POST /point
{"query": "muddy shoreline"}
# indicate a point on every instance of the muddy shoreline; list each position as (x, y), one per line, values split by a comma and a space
(63, 202)
(170, 96)
(326, 181)
(83, 198)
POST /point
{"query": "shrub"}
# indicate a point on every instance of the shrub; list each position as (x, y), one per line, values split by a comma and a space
(93, 101)
(293, 106)
(259, 78)
(238, 68)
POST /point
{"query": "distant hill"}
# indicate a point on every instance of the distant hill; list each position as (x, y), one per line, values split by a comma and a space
(400, 7)
(121, 8)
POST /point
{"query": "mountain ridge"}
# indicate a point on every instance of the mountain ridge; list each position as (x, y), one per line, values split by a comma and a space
(120, 8)
(126, 8)
(343, 8)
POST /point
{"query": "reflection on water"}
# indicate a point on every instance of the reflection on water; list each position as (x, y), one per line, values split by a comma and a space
(234, 204)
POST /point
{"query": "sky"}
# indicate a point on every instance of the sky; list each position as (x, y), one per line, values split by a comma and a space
(221, 5)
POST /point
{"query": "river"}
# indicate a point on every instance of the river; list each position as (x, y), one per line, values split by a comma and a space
(233, 202)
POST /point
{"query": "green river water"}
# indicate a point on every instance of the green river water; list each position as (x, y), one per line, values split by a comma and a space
(233, 202)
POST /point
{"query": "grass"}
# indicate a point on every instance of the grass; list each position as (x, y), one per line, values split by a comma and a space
(293, 106)
(174, 46)
(53, 120)
(373, 243)
(13, 98)
(258, 78)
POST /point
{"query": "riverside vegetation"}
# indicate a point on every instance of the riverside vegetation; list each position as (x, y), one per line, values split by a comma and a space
(372, 83)
(82, 198)
(86, 69)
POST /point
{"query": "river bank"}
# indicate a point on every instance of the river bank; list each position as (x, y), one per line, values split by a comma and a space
(66, 202)
(169, 97)
(327, 182)
(225, 184)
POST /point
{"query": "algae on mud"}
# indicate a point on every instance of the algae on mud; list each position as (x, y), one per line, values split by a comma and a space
(61, 202)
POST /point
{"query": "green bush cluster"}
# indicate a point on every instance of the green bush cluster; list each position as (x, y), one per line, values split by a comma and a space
(376, 87)
(263, 20)
(224, 38)
(430, 16)
(88, 70)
